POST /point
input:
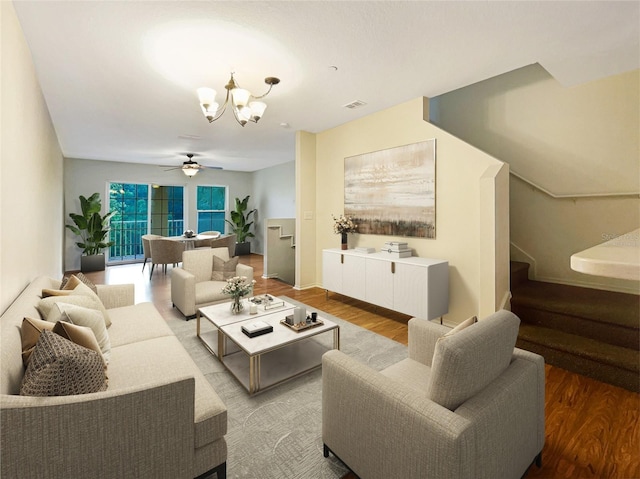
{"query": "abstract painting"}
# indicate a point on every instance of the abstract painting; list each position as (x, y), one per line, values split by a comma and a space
(393, 191)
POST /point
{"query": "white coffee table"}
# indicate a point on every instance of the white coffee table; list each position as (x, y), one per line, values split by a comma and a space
(265, 361)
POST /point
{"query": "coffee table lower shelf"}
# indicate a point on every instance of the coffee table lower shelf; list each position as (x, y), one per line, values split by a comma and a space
(275, 367)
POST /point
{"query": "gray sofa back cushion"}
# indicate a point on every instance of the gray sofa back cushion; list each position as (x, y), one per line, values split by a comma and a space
(466, 362)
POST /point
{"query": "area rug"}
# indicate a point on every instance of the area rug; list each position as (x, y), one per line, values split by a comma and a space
(278, 433)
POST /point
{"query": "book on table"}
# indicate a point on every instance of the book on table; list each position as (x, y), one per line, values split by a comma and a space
(256, 328)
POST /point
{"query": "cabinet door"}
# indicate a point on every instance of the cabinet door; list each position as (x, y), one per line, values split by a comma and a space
(410, 293)
(379, 283)
(331, 271)
(353, 276)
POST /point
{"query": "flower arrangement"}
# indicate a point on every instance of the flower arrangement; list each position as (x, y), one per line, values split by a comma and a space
(238, 286)
(344, 224)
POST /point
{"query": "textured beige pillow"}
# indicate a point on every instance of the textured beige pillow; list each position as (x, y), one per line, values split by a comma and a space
(223, 270)
(87, 317)
(71, 281)
(59, 367)
(81, 335)
(464, 324)
(80, 296)
(30, 333)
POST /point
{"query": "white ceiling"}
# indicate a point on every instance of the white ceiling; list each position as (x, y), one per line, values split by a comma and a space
(119, 78)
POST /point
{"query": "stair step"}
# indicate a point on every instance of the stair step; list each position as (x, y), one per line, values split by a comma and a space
(603, 306)
(610, 333)
(604, 362)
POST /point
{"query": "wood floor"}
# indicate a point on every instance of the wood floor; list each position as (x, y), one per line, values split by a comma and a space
(592, 428)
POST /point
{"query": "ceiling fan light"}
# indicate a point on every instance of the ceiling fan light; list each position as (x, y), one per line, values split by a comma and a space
(189, 171)
(240, 97)
(257, 110)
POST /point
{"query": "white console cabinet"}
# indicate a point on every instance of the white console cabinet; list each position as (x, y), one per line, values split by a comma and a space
(415, 286)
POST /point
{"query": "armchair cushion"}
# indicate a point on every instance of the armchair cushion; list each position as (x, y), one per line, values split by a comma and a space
(223, 270)
(466, 362)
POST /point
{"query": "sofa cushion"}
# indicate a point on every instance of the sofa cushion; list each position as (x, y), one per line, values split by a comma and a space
(30, 333)
(210, 291)
(160, 359)
(90, 318)
(466, 362)
(59, 367)
(223, 270)
(131, 324)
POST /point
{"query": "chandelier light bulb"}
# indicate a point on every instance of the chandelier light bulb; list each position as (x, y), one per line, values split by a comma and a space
(257, 110)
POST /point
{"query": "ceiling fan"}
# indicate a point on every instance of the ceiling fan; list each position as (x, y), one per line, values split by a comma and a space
(190, 167)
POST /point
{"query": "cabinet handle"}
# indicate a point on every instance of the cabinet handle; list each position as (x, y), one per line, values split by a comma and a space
(393, 268)
(341, 259)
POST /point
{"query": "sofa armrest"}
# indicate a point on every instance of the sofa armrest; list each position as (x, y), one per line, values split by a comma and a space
(116, 295)
(183, 291)
(423, 336)
(244, 270)
(381, 428)
(146, 431)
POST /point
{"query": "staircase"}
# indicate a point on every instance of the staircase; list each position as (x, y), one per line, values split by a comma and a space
(590, 332)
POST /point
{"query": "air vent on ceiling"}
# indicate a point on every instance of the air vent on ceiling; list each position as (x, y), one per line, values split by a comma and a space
(355, 104)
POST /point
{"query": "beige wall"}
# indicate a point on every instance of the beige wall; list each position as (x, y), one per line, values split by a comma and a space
(306, 187)
(461, 174)
(31, 217)
(578, 141)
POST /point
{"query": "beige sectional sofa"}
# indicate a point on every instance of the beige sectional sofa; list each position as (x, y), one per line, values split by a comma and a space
(159, 416)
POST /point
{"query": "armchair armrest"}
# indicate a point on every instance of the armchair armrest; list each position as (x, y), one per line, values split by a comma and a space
(116, 295)
(423, 336)
(183, 291)
(381, 428)
(244, 270)
(142, 431)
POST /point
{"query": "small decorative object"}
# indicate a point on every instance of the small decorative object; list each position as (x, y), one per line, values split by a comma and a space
(253, 308)
(342, 226)
(300, 326)
(267, 302)
(314, 317)
(299, 315)
(189, 234)
(238, 287)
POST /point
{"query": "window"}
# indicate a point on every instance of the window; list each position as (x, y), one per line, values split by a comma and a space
(211, 207)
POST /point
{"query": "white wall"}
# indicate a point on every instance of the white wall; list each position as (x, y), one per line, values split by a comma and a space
(274, 196)
(582, 140)
(471, 221)
(31, 218)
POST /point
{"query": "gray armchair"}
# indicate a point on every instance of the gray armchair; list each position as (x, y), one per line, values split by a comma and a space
(146, 247)
(165, 251)
(463, 405)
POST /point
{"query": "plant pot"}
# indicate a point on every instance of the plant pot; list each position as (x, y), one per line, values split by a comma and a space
(93, 262)
(243, 248)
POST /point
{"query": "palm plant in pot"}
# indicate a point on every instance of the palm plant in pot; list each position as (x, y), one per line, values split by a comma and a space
(93, 229)
(241, 226)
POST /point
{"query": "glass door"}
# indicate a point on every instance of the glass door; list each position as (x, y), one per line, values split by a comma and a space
(142, 209)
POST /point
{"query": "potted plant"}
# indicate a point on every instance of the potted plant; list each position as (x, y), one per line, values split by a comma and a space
(93, 229)
(240, 226)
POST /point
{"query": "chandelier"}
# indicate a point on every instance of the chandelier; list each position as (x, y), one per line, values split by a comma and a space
(243, 103)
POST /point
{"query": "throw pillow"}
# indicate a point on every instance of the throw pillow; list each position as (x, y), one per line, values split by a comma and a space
(55, 292)
(59, 367)
(464, 324)
(30, 333)
(224, 270)
(80, 296)
(81, 316)
(71, 281)
(80, 335)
